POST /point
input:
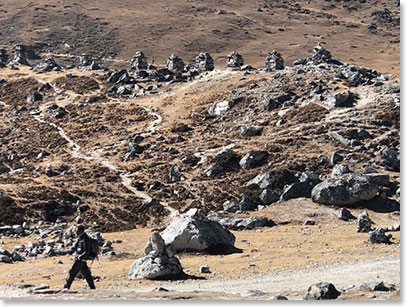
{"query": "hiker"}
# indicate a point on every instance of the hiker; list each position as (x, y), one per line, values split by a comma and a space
(82, 247)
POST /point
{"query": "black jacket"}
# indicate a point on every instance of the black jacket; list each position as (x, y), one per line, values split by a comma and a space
(82, 247)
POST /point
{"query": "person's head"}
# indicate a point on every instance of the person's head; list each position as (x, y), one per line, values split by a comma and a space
(80, 230)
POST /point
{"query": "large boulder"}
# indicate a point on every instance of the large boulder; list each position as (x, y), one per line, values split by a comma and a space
(159, 262)
(223, 161)
(322, 291)
(296, 190)
(194, 232)
(346, 190)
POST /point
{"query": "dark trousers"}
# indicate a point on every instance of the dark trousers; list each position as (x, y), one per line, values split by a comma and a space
(77, 266)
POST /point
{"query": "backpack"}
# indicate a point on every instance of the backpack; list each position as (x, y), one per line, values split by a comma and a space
(94, 249)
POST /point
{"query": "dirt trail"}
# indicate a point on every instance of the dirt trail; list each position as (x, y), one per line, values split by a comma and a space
(292, 284)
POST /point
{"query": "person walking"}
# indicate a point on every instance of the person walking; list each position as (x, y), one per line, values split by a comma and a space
(82, 247)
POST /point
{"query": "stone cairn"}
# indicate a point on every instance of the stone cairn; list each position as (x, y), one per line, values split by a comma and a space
(234, 61)
(204, 62)
(139, 61)
(320, 55)
(364, 222)
(159, 263)
(274, 61)
(19, 55)
(3, 57)
(86, 61)
(175, 64)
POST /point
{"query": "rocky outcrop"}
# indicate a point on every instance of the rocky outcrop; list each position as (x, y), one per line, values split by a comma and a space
(322, 291)
(193, 232)
(159, 263)
(346, 190)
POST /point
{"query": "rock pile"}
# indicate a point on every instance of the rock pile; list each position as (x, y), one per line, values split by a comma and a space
(193, 232)
(204, 62)
(364, 222)
(48, 64)
(19, 56)
(159, 263)
(234, 60)
(139, 61)
(322, 291)
(175, 64)
(86, 62)
(61, 241)
(378, 236)
(274, 61)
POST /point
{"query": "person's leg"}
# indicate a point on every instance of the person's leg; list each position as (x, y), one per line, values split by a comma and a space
(72, 274)
(86, 272)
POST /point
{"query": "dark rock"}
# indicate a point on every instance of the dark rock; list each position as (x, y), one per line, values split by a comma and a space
(296, 190)
(335, 158)
(3, 169)
(322, 291)
(222, 162)
(309, 222)
(250, 131)
(270, 104)
(270, 196)
(254, 159)
(246, 223)
(391, 157)
(19, 56)
(379, 236)
(344, 214)
(344, 191)
(230, 206)
(246, 204)
(3, 57)
(31, 98)
(341, 100)
(117, 77)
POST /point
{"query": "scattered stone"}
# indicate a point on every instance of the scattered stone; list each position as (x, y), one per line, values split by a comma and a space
(205, 269)
(335, 158)
(270, 104)
(344, 214)
(31, 98)
(339, 170)
(341, 100)
(391, 157)
(230, 206)
(3, 57)
(47, 65)
(222, 107)
(160, 262)
(274, 61)
(252, 293)
(222, 162)
(279, 297)
(250, 131)
(364, 222)
(374, 286)
(87, 63)
(246, 223)
(254, 159)
(5, 259)
(378, 236)
(322, 291)
(309, 222)
(192, 231)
